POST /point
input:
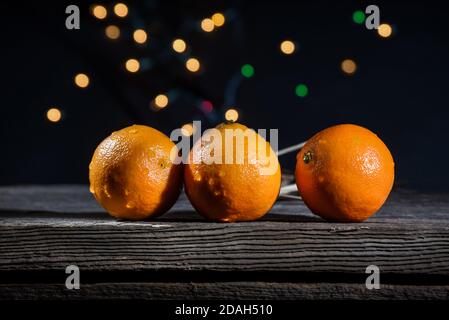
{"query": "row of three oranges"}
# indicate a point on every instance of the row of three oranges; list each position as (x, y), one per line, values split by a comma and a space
(343, 173)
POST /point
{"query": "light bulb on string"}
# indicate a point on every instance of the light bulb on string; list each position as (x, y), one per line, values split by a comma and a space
(54, 115)
(161, 101)
(99, 12)
(301, 90)
(287, 47)
(179, 45)
(348, 66)
(385, 30)
(207, 25)
(247, 70)
(121, 10)
(193, 65)
(82, 80)
(231, 115)
(206, 106)
(188, 129)
(112, 32)
(218, 19)
(132, 65)
(358, 17)
(140, 36)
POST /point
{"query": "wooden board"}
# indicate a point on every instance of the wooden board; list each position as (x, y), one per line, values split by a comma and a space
(289, 254)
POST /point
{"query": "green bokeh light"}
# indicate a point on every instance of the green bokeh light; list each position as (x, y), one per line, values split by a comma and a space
(301, 90)
(358, 17)
(247, 70)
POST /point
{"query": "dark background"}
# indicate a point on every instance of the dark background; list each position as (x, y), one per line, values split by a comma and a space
(400, 90)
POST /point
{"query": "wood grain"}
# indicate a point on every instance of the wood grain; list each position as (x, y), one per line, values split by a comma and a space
(261, 246)
(44, 229)
(222, 291)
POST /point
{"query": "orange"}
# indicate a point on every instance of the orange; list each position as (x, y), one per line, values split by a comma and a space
(131, 174)
(344, 173)
(241, 189)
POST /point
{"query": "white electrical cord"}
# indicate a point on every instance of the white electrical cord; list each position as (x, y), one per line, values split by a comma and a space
(285, 190)
(291, 148)
(288, 188)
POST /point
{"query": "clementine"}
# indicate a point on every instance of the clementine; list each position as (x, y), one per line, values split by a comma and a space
(344, 173)
(242, 185)
(132, 176)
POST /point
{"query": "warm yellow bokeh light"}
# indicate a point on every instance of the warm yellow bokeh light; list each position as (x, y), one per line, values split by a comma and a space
(54, 115)
(82, 80)
(231, 115)
(348, 66)
(193, 65)
(287, 47)
(161, 101)
(112, 32)
(384, 30)
(121, 10)
(188, 129)
(99, 12)
(140, 36)
(207, 25)
(132, 65)
(218, 19)
(179, 45)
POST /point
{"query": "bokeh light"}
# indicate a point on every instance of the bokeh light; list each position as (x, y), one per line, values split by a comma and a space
(81, 80)
(207, 106)
(207, 25)
(140, 36)
(112, 32)
(348, 66)
(121, 10)
(231, 115)
(287, 47)
(385, 30)
(132, 65)
(193, 65)
(179, 45)
(99, 12)
(247, 70)
(188, 129)
(218, 19)
(161, 101)
(358, 17)
(54, 115)
(301, 90)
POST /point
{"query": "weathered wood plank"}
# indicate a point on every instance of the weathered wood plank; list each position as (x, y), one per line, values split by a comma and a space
(400, 248)
(48, 228)
(75, 200)
(221, 291)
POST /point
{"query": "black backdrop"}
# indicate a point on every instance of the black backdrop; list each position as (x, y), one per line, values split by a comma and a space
(400, 90)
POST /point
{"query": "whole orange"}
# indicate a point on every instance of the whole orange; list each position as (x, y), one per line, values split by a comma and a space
(231, 180)
(131, 174)
(344, 173)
